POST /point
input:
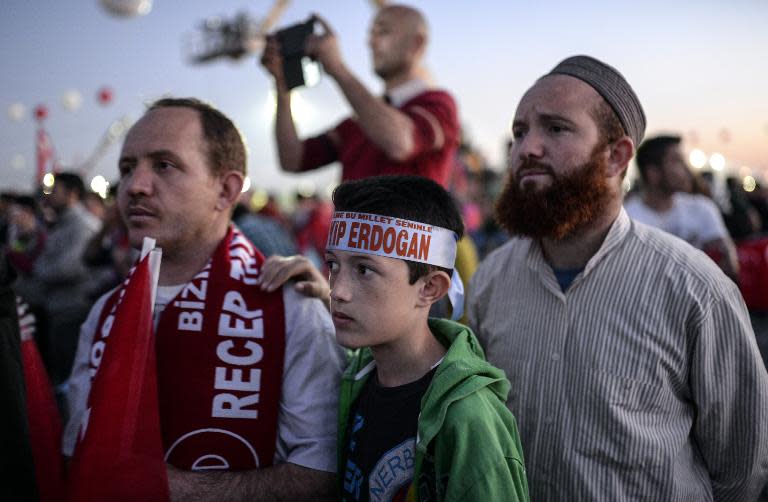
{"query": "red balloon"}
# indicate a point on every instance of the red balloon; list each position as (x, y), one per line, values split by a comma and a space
(41, 112)
(105, 95)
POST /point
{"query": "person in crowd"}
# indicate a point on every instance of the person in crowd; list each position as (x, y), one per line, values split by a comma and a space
(633, 365)
(61, 274)
(742, 220)
(17, 467)
(413, 129)
(261, 367)
(759, 200)
(422, 414)
(265, 232)
(6, 198)
(108, 254)
(95, 205)
(664, 202)
(27, 236)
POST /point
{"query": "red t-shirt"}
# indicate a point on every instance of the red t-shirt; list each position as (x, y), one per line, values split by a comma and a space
(360, 158)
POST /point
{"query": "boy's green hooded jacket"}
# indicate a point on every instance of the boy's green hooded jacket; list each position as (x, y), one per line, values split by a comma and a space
(465, 430)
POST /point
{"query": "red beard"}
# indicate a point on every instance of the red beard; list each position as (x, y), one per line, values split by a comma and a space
(560, 210)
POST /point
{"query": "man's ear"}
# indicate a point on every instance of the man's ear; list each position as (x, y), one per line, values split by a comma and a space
(419, 43)
(619, 154)
(231, 184)
(434, 286)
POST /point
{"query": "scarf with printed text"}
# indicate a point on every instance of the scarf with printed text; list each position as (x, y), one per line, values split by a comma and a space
(220, 347)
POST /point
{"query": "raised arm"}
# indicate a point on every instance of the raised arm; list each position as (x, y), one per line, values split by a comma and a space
(289, 147)
(386, 126)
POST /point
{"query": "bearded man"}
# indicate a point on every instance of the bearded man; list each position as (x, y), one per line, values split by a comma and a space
(634, 368)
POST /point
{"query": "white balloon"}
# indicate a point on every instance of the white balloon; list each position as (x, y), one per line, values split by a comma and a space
(127, 8)
(18, 162)
(72, 100)
(17, 111)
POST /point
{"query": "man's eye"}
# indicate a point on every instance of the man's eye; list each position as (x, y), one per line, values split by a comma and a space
(557, 129)
(124, 169)
(163, 165)
(333, 267)
(517, 133)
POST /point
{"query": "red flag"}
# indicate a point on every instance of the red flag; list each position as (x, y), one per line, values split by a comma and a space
(120, 455)
(42, 414)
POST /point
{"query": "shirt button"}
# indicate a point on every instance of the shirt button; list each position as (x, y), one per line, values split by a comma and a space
(555, 356)
(549, 420)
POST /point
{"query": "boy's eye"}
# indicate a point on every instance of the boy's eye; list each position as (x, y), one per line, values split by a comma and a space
(363, 270)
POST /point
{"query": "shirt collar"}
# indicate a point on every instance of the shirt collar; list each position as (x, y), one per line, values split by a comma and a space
(618, 231)
(406, 91)
(616, 234)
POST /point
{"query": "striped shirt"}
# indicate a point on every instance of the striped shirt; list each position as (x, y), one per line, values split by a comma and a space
(642, 381)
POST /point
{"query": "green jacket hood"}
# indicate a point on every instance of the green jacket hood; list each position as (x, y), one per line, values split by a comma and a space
(464, 371)
(463, 406)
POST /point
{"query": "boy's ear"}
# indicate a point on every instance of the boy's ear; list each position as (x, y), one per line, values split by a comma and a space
(434, 286)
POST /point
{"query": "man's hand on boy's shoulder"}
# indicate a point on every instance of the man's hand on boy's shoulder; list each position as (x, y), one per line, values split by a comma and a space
(277, 270)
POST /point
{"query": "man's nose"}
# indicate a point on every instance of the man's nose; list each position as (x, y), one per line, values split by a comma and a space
(529, 145)
(140, 182)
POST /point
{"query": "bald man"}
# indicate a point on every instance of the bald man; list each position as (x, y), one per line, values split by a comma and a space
(412, 129)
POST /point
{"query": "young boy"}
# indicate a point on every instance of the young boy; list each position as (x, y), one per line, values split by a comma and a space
(422, 414)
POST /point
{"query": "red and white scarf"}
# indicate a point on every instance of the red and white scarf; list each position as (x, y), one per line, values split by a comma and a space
(220, 347)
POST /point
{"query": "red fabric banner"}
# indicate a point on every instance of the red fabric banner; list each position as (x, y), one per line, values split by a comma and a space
(42, 414)
(753, 272)
(120, 456)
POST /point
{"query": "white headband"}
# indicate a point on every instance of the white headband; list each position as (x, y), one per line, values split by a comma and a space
(392, 237)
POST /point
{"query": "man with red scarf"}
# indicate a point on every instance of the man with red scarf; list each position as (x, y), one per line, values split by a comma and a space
(246, 379)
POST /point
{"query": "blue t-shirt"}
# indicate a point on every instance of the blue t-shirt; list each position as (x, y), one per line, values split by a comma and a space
(566, 277)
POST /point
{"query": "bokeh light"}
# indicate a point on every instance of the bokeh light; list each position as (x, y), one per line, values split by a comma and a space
(306, 188)
(100, 185)
(301, 109)
(259, 199)
(697, 158)
(717, 161)
(72, 100)
(17, 111)
(246, 184)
